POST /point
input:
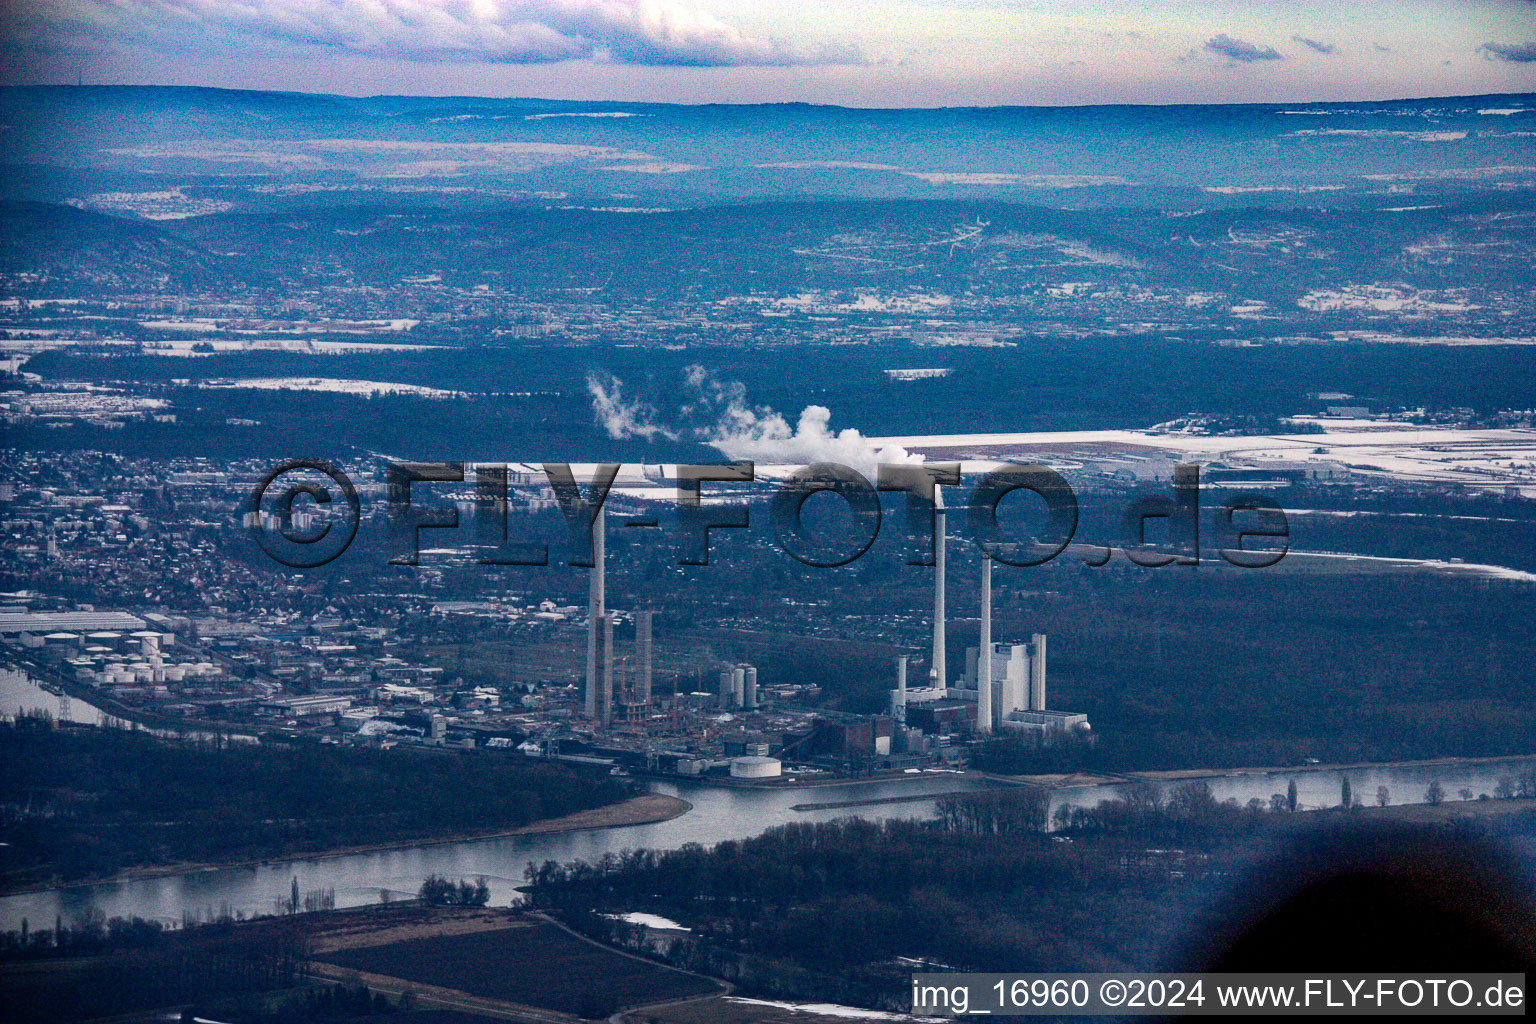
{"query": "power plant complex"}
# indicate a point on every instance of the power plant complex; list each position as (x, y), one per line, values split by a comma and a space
(1003, 686)
(1001, 691)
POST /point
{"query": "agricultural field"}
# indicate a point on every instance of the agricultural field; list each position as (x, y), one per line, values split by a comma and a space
(532, 964)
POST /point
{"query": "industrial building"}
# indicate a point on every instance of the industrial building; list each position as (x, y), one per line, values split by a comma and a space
(756, 768)
(738, 688)
(606, 684)
(1002, 688)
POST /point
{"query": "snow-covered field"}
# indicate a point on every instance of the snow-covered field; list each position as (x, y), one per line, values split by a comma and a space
(332, 384)
(831, 1010)
(1484, 459)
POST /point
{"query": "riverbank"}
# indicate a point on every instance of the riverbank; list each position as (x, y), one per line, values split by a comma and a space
(1224, 773)
(799, 781)
(1450, 810)
(644, 809)
(1077, 780)
(872, 802)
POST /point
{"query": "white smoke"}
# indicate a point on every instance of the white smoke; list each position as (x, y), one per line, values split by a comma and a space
(725, 420)
(623, 419)
(763, 435)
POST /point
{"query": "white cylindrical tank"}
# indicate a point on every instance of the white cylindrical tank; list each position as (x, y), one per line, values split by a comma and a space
(738, 687)
(756, 768)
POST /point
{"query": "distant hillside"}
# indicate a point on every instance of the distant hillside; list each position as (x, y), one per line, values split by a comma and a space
(262, 147)
(1312, 266)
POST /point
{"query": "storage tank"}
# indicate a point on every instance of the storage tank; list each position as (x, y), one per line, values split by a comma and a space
(756, 768)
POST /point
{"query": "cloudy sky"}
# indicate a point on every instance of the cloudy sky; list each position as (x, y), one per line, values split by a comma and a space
(854, 52)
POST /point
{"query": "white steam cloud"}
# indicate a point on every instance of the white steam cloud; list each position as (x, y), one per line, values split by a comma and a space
(621, 418)
(726, 421)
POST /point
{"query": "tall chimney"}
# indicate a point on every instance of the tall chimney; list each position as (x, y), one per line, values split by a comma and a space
(605, 694)
(597, 608)
(899, 698)
(643, 643)
(984, 665)
(940, 669)
(1037, 675)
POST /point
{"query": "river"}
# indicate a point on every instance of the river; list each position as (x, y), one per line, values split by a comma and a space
(717, 814)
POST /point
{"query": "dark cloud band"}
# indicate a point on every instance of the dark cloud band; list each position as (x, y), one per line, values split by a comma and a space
(643, 32)
(1243, 52)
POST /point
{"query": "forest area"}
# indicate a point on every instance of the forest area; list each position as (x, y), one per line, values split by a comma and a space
(846, 911)
(88, 802)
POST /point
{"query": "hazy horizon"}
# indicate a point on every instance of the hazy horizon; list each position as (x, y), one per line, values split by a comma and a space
(890, 54)
(532, 98)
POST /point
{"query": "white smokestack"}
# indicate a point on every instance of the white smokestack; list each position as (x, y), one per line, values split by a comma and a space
(605, 695)
(644, 647)
(1037, 675)
(597, 608)
(940, 669)
(984, 665)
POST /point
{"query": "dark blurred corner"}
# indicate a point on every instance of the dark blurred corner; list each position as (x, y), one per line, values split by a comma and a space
(1375, 898)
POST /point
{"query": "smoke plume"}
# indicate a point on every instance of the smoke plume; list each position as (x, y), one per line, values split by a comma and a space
(718, 414)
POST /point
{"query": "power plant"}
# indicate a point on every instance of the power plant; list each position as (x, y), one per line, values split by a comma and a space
(1003, 687)
(1002, 691)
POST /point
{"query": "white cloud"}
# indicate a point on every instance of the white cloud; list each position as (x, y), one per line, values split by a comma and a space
(645, 32)
(620, 417)
(722, 418)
